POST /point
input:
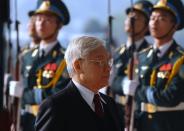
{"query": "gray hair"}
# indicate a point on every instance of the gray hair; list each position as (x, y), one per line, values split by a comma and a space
(79, 48)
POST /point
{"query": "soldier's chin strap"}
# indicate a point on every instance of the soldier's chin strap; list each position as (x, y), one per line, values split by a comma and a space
(168, 33)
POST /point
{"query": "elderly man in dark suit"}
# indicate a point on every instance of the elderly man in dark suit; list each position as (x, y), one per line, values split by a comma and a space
(80, 107)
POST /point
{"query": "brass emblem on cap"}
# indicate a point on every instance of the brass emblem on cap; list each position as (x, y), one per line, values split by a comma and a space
(138, 6)
(162, 2)
(45, 5)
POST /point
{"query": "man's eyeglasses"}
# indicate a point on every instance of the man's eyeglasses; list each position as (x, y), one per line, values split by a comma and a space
(103, 63)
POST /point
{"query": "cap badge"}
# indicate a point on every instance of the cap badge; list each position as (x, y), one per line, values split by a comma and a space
(162, 2)
(45, 5)
(138, 6)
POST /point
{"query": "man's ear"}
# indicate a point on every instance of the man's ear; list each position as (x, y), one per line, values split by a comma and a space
(60, 25)
(77, 66)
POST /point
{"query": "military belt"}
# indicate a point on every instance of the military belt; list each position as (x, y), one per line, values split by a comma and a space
(33, 109)
(150, 108)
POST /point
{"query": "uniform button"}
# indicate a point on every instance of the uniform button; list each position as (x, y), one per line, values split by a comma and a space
(150, 116)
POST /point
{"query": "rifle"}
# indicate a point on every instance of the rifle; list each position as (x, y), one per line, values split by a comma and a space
(15, 107)
(9, 70)
(109, 39)
(4, 113)
(110, 18)
(129, 104)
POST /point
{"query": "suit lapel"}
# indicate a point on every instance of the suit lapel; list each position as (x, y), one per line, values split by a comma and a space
(73, 91)
(111, 110)
(81, 107)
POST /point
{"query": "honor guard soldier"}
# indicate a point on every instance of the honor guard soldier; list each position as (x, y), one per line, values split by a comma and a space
(140, 13)
(43, 68)
(160, 95)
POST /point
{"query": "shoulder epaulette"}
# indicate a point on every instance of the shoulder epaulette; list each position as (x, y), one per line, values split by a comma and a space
(146, 49)
(62, 50)
(26, 50)
(180, 50)
(121, 49)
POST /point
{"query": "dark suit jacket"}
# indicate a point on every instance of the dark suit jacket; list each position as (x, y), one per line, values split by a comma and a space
(68, 111)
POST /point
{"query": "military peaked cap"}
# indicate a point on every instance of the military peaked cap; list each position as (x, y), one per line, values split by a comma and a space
(175, 7)
(143, 6)
(56, 7)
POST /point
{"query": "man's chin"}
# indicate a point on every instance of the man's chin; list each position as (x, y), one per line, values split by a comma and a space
(104, 84)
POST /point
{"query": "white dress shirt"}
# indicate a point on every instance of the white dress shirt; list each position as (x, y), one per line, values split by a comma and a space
(47, 47)
(137, 43)
(163, 49)
(86, 94)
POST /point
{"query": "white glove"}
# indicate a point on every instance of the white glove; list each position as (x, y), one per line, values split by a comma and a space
(16, 89)
(129, 86)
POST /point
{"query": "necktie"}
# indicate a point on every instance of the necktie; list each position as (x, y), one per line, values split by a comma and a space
(155, 55)
(42, 53)
(98, 105)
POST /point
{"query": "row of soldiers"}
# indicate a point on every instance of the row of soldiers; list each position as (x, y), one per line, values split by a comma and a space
(158, 68)
(159, 72)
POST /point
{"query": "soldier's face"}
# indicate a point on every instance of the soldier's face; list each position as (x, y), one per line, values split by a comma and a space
(161, 23)
(140, 22)
(32, 27)
(46, 26)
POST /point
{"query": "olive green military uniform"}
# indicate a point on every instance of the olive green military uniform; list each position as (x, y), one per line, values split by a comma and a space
(44, 71)
(124, 54)
(160, 96)
(161, 89)
(121, 64)
(39, 72)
